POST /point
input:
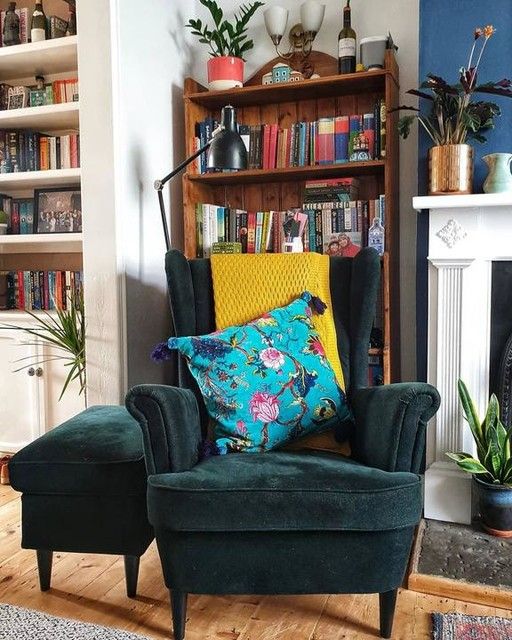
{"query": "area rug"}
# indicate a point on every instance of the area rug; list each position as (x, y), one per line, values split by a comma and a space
(24, 624)
(457, 626)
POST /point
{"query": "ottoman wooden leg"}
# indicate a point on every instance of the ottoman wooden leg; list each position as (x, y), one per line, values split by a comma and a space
(44, 566)
(131, 571)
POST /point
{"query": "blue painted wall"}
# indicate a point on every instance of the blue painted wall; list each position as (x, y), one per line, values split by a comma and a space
(446, 35)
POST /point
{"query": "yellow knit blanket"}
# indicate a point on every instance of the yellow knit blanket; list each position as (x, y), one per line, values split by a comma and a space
(245, 286)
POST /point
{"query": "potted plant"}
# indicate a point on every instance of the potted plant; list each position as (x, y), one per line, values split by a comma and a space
(455, 118)
(492, 468)
(3, 223)
(64, 330)
(228, 42)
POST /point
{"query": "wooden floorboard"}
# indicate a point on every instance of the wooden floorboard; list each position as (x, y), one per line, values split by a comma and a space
(91, 588)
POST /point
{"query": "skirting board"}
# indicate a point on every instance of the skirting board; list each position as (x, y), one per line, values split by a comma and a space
(457, 589)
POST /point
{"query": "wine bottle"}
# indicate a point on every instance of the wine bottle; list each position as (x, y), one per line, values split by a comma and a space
(11, 32)
(347, 44)
(38, 25)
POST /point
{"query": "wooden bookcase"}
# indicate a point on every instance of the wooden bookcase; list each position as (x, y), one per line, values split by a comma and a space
(279, 189)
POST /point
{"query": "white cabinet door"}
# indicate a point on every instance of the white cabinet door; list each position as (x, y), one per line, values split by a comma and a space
(53, 375)
(21, 410)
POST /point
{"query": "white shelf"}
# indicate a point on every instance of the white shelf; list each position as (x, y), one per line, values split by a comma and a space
(34, 58)
(473, 200)
(45, 118)
(42, 243)
(39, 179)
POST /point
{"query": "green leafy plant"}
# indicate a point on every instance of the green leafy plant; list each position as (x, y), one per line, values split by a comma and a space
(493, 442)
(226, 38)
(64, 330)
(455, 116)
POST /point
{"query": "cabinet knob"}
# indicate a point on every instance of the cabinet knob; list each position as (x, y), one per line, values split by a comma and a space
(31, 371)
(39, 372)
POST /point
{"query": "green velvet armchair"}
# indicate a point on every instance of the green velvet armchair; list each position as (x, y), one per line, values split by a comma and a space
(285, 522)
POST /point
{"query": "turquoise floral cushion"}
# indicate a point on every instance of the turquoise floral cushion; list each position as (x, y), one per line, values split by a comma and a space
(267, 382)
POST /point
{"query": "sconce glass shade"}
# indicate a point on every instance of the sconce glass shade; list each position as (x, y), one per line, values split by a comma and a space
(275, 22)
(312, 16)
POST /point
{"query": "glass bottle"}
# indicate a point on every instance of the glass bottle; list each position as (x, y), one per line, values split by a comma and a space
(347, 44)
(11, 32)
(38, 24)
(376, 236)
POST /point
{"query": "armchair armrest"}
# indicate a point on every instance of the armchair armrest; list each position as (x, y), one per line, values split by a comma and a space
(169, 419)
(390, 423)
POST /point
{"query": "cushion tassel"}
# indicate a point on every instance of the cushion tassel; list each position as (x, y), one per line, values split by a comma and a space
(208, 449)
(161, 352)
(318, 305)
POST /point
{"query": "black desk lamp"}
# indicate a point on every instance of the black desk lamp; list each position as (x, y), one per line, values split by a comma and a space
(226, 152)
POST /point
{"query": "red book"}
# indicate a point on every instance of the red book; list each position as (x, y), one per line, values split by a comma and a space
(266, 146)
(273, 146)
(21, 290)
(251, 232)
(73, 144)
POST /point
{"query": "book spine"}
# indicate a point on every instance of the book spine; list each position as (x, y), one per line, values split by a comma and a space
(355, 127)
(251, 232)
(369, 132)
(244, 231)
(382, 142)
(341, 131)
(266, 146)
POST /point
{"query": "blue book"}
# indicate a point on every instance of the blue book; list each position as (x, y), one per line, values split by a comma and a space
(341, 136)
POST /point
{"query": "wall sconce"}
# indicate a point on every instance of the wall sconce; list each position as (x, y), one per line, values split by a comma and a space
(301, 35)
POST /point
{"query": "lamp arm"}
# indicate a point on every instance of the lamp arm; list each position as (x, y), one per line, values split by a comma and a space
(159, 185)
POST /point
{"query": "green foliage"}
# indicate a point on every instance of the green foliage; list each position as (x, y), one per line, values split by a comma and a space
(225, 38)
(3, 217)
(493, 442)
(64, 330)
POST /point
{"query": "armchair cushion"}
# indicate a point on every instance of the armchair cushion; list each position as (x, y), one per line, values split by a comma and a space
(97, 452)
(279, 491)
(266, 382)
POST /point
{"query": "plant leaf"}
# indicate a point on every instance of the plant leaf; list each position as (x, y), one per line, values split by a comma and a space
(471, 414)
(467, 463)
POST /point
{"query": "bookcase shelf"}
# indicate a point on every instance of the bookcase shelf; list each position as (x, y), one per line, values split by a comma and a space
(44, 118)
(45, 58)
(282, 189)
(326, 87)
(38, 179)
(41, 243)
(258, 176)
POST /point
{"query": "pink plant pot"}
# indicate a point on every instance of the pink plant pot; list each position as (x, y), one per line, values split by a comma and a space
(225, 72)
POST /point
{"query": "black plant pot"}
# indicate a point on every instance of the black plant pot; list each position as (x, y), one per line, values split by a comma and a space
(495, 506)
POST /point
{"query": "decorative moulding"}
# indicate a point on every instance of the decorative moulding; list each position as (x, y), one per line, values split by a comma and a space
(451, 233)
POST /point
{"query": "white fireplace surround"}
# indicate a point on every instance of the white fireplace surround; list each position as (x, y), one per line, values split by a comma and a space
(466, 235)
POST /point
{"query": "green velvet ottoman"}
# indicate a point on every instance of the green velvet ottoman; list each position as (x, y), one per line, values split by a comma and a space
(84, 490)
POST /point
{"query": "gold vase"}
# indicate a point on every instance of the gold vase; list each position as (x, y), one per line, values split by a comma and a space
(450, 169)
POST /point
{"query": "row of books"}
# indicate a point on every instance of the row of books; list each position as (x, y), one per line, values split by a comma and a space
(330, 140)
(56, 26)
(39, 290)
(57, 92)
(31, 151)
(339, 230)
(20, 214)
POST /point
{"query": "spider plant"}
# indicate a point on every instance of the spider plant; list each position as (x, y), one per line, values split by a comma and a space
(225, 38)
(64, 330)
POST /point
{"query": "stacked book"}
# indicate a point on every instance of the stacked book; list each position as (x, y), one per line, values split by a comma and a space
(338, 222)
(330, 140)
(32, 151)
(39, 290)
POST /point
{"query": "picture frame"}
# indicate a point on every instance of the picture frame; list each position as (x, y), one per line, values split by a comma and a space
(58, 210)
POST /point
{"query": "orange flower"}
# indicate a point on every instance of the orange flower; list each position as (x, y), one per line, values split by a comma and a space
(489, 30)
(478, 33)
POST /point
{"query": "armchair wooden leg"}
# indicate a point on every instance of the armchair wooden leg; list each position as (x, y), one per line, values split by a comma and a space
(387, 602)
(44, 567)
(131, 572)
(179, 613)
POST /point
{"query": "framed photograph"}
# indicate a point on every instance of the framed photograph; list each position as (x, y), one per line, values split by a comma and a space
(58, 210)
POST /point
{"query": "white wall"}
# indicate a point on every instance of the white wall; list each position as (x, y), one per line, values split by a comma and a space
(369, 17)
(150, 62)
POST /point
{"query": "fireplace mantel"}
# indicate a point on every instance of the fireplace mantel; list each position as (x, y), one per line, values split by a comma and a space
(466, 234)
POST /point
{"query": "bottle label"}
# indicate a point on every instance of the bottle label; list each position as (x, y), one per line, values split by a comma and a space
(36, 35)
(346, 48)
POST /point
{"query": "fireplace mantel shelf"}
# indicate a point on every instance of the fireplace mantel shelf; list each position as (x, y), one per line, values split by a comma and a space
(474, 200)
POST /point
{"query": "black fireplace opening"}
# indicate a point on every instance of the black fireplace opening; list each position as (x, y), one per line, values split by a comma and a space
(500, 374)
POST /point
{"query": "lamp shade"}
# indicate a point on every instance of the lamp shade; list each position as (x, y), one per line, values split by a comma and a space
(275, 21)
(227, 150)
(312, 15)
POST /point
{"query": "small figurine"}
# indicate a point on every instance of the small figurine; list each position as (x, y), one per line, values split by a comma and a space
(296, 76)
(280, 73)
(267, 78)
